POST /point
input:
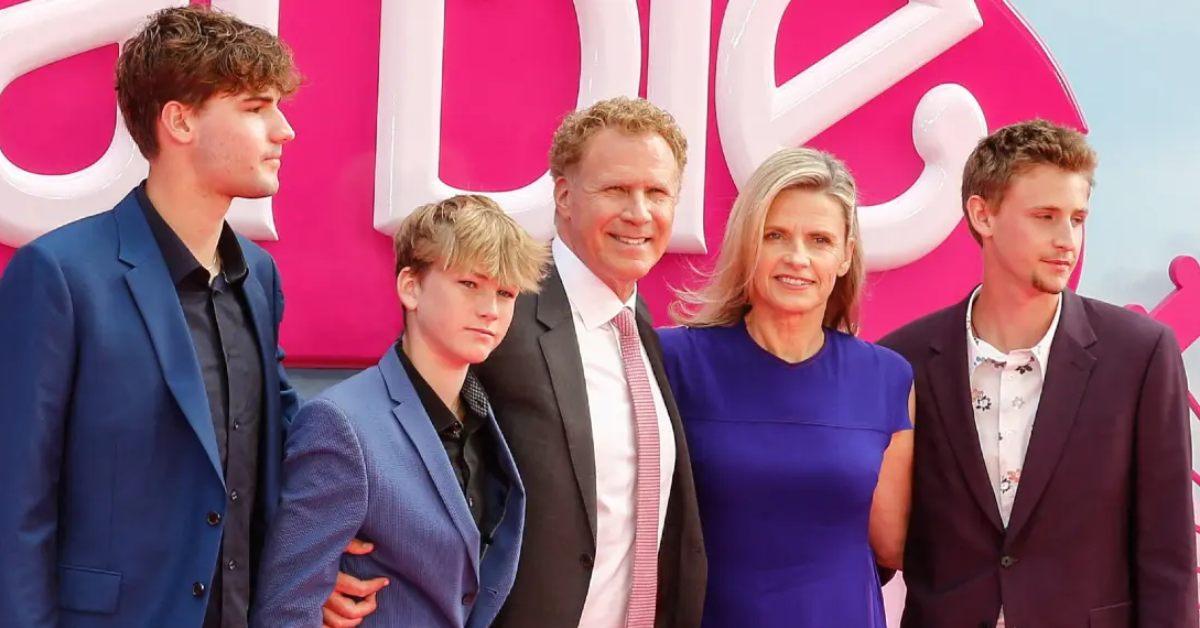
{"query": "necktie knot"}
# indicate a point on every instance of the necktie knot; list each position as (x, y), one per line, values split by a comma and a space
(625, 323)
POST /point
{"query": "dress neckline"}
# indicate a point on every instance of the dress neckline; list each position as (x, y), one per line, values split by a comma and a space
(771, 357)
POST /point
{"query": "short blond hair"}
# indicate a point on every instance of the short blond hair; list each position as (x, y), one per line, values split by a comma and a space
(630, 115)
(470, 232)
(724, 299)
(1016, 148)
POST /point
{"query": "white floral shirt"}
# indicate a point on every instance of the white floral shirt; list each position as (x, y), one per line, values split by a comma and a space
(1005, 391)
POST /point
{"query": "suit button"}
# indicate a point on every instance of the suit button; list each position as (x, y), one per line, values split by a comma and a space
(469, 599)
(587, 561)
(213, 518)
(1008, 561)
(197, 589)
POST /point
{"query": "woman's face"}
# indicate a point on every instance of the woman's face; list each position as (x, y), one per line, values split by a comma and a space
(804, 251)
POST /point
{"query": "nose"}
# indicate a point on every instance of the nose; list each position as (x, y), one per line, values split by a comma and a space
(797, 255)
(488, 308)
(1067, 235)
(283, 131)
(637, 210)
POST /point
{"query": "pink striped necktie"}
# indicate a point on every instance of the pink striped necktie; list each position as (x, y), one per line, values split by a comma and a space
(644, 592)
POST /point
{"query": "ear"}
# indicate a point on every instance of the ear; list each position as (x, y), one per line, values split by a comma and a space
(408, 287)
(981, 216)
(849, 257)
(562, 193)
(177, 122)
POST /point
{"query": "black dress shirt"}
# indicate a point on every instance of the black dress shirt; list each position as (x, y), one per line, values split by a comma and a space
(470, 446)
(227, 350)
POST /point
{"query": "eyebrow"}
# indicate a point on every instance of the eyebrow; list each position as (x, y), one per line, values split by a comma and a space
(259, 99)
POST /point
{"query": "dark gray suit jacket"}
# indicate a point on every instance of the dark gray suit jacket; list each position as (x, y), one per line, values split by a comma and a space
(535, 380)
(1102, 532)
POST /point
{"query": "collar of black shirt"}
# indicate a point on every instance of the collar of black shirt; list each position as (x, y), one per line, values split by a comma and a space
(443, 419)
(182, 265)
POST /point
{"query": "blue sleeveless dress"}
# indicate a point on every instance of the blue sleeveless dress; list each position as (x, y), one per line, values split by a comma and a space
(786, 458)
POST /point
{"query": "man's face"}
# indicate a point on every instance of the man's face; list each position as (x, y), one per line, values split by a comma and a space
(239, 141)
(615, 207)
(460, 315)
(1035, 234)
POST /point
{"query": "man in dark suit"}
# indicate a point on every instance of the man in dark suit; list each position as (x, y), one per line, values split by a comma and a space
(1052, 480)
(142, 400)
(612, 535)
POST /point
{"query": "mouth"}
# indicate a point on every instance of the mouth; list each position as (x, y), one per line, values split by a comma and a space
(1058, 263)
(792, 281)
(482, 332)
(629, 241)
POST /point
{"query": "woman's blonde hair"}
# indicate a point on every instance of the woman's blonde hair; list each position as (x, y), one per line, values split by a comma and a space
(470, 232)
(724, 299)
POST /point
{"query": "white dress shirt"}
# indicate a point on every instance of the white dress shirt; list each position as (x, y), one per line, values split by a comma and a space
(1006, 389)
(593, 306)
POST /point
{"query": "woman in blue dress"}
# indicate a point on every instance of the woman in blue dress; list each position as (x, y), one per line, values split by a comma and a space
(800, 433)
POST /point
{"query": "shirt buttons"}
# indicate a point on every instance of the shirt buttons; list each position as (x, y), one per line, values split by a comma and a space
(236, 426)
(1008, 561)
(233, 495)
(471, 502)
(232, 564)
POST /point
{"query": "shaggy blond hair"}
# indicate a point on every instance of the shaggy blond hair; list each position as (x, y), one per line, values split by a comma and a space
(724, 299)
(631, 115)
(1016, 148)
(470, 232)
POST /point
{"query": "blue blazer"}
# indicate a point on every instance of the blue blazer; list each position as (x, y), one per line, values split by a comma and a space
(364, 461)
(108, 459)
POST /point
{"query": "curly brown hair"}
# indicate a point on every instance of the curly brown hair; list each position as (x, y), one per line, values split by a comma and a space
(1016, 148)
(188, 54)
(631, 115)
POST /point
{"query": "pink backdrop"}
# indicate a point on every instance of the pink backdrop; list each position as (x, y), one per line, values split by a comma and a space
(511, 71)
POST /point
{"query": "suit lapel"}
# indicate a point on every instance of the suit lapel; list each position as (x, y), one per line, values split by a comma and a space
(158, 302)
(1067, 376)
(951, 388)
(560, 348)
(411, 416)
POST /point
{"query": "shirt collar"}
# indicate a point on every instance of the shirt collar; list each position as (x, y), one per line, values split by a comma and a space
(595, 302)
(180, 261)
(443, 419)
(979, 350)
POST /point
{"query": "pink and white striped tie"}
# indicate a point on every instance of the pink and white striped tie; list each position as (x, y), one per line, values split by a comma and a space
(644, 591)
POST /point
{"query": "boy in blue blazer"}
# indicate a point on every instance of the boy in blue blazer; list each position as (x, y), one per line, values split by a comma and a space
(142, 403)
(407, 455)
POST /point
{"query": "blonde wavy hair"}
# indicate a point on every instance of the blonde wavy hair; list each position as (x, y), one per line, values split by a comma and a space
(470, 232)
(724, 298)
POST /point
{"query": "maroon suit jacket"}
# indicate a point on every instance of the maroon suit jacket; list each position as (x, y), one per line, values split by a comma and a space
(1102, 533)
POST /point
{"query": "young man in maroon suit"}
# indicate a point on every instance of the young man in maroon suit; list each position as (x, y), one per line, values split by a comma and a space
(1052, 477)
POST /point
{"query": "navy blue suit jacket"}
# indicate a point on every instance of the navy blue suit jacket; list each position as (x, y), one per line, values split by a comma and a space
(364, 461)
(108, 458)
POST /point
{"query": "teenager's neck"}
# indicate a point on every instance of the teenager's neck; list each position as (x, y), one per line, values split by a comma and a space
(194, 214)
(444, 377)
(1011, 317)
(790, 337)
